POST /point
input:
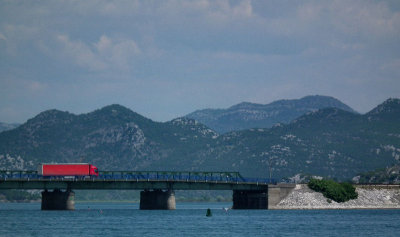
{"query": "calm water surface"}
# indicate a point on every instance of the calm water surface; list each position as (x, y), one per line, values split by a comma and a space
(124, 219)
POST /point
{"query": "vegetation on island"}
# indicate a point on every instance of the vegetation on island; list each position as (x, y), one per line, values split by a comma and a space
(339, 192)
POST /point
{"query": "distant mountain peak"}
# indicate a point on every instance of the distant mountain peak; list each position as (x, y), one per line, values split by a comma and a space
(247, 115)
(389, 109)
(244, 105)
(114, 109)
(184, 121)
(390, 105)
(324, 115)
(52, 114)
(194, 125)
(311, 97)
(119, 112)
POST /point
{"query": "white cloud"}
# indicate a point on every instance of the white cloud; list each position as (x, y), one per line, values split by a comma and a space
(106, 54)
(80, 53)
(244, 8)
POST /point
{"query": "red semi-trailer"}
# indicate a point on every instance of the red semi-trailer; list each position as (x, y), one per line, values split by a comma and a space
(69, 169)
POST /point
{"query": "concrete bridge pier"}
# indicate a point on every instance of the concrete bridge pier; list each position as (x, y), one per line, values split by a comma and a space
(250, 199)
(157, 200)
(58, 200)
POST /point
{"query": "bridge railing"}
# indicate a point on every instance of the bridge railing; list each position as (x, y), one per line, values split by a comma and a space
(172, 176)
(18, 174)
(182, 176)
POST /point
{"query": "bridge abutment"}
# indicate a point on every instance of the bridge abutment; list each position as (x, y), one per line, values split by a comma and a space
(250, 199)
(261, 199)
(58, 200)
(278, 192)
(157, 200)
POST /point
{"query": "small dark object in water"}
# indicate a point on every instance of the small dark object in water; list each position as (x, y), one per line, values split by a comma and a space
(208, 212)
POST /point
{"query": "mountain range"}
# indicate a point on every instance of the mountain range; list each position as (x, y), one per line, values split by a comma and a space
(250, 115)
(328, 142)
(387, 175)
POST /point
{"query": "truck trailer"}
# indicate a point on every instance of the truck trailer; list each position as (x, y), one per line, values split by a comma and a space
(69, 169)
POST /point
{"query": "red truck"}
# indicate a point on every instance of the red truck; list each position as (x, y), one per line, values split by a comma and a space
(69, 169)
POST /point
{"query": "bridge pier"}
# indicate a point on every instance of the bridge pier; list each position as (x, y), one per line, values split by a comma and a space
(58, 200)
(157, 200)
(250, 199)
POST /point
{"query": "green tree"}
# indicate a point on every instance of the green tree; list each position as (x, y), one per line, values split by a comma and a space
(339, 192)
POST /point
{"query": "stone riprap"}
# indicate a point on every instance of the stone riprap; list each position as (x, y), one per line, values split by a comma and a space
(302, 197)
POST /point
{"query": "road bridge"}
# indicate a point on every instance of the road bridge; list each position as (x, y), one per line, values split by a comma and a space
(158, 187)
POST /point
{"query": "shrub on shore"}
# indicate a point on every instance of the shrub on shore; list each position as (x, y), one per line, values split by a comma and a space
(339, 192)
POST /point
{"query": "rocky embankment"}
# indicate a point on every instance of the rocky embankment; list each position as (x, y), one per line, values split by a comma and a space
(369, 197)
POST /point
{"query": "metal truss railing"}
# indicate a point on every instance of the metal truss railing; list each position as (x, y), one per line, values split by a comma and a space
(181, 176)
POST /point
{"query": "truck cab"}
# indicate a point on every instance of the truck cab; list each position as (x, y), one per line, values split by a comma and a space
(93, 171)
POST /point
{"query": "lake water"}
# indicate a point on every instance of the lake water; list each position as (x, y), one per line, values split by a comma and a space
(124, 219)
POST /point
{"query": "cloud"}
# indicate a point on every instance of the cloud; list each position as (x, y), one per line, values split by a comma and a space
(105, 54)
(366, 18)
(80, 53)
(119, 52)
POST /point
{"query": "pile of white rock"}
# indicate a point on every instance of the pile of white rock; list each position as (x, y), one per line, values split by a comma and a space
(303, 197)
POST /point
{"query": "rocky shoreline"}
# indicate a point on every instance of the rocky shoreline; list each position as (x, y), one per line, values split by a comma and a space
(376, 197)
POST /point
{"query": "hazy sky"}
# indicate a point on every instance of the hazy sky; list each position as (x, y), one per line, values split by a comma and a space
(164, 59)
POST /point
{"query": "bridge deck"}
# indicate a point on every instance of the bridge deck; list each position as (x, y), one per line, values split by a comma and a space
(129, 184)
(135, 180)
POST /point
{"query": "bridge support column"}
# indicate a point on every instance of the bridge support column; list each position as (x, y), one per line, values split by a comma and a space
(157, 200)
(245, 199)
(58, 200)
